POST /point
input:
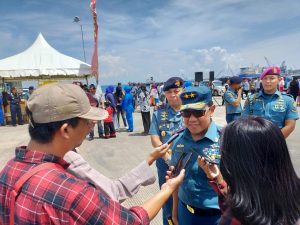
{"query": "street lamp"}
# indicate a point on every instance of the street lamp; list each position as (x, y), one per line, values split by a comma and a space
(77, 20)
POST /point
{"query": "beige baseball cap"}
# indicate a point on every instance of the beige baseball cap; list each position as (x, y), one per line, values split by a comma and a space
(58, 102)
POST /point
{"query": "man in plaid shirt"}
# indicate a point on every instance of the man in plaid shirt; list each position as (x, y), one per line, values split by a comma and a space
(60, 118)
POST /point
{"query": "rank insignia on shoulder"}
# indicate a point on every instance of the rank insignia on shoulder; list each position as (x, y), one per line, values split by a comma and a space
(294, 109)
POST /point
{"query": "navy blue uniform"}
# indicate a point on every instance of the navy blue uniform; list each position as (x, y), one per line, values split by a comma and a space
(232, 113)
(277, 108)
(195, 194)
(1, 111)
(164, 122)
(15, 108)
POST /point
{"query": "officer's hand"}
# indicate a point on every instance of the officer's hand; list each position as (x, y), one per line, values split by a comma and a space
(175, 220)
(240, 90)
(211, 170)
(172, 183)
(159, 152)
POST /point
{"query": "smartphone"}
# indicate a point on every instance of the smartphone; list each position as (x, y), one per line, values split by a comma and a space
(182, 162)
(175, 135)
(172, 138)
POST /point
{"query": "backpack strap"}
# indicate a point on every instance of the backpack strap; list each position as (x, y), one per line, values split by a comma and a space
(20, 182)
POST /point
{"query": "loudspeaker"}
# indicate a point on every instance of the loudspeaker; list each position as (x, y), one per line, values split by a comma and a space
(198, 76)
(211, 75)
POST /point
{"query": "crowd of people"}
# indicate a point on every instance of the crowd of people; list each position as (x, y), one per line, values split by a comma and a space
(238, 174)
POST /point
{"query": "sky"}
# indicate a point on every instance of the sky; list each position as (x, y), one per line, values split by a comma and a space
(159, 38)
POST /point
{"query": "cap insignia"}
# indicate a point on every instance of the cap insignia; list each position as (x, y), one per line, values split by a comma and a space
(177, 83)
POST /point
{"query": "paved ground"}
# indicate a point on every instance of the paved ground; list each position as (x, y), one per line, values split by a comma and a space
(113, 157)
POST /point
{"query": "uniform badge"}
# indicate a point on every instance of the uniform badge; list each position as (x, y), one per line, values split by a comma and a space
(180, 146)
(279, 105)
(177, 83)
(163, 133)
(294, 107)
(164, 115)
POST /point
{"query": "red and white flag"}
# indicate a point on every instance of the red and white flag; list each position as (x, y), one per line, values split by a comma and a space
(95, 52)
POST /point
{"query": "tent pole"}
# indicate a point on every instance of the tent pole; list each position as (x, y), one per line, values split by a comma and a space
(86, 80)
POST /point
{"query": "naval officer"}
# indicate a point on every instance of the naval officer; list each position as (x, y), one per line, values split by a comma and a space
(196, 202)
(165, 121)
(271, 104)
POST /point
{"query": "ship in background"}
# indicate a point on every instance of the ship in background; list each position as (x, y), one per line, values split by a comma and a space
(255, 71)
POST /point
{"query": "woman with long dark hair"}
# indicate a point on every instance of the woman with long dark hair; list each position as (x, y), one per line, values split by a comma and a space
(260, 185)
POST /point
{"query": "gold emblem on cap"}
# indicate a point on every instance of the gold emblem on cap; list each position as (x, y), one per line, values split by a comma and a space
(186, 96)
(192, 95)
(163, 133)
(177, 83)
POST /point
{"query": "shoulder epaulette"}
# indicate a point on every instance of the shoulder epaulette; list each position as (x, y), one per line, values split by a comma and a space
(291, 96)
(161, 107)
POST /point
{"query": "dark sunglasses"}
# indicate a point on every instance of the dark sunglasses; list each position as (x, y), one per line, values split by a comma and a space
(195, 113)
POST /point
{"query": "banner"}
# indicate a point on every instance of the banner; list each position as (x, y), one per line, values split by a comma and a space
(95, 52)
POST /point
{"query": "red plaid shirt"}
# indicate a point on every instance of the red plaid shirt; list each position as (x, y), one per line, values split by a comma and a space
(57, 197)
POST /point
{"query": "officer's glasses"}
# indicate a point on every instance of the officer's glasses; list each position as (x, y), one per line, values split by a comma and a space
(195, 113)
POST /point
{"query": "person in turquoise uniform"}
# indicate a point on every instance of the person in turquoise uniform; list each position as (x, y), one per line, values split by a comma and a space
(196, 202)
(1, 111)
(127, 106)
(233, 98)
(166, 120)
(271, 104)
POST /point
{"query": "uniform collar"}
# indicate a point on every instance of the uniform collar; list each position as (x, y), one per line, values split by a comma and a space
(36, 157)
(261, 93)
(212, 133)
(231, 89)
(170, 109)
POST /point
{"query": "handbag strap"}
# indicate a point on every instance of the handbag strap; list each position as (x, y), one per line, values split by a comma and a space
(20, 182)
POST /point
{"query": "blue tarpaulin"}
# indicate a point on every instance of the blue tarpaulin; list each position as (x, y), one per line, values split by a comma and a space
(254, 75)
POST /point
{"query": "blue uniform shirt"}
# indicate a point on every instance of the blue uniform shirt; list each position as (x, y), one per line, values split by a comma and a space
(230, 96)
(277, 107)
(15, 99)
(164, 122)
(195, 190)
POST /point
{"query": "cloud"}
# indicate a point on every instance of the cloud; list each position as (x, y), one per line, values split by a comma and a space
(141, 64)
(160, 38)
(276, 49)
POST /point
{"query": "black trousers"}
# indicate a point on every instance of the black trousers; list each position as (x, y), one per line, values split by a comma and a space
(120, 111)
(146, 121)
(109, 129)
(246, 93)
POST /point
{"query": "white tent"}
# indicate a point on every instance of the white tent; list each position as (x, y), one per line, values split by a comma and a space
(41, 61)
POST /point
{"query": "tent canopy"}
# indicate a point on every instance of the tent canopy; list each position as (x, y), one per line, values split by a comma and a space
(40, 61)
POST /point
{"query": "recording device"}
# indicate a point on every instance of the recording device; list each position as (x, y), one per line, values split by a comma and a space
(182, 163)
(174, 135)
(172, 138)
